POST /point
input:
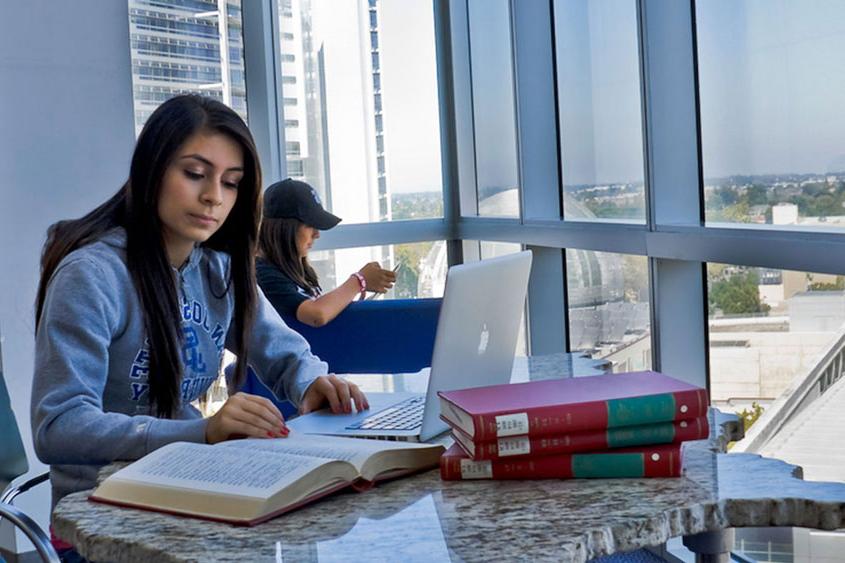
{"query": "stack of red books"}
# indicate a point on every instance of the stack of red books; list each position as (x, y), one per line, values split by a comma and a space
(615, 425)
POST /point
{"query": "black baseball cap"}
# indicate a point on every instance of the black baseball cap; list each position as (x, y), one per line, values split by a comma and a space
(292, 199)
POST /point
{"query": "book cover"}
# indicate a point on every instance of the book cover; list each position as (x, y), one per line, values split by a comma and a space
(662, 460)
(246, 482)
(514, 447)
(562, 406)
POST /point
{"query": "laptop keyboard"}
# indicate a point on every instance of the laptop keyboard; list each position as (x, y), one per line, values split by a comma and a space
(406, 415)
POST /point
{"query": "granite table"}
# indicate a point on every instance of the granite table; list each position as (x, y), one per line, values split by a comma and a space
(422, 518)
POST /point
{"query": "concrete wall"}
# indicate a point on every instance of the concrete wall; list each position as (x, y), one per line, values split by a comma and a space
(766, 365)
(66, 136)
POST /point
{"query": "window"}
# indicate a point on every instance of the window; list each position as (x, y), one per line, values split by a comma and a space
(767, 328)
(178, 49)
(421, 267)
(599, 108)
(497, 164)
(772, 118)
(368, 127)
(292, 148)
(608, 300)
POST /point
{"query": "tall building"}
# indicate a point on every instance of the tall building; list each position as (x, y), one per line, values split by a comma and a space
(334, 116)
(185, 46)
(331, 91)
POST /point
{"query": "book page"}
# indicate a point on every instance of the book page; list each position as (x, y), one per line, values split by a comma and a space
(353, 450)
(237, 470)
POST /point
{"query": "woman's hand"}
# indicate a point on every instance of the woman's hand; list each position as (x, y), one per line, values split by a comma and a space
(245, 415)
(337, 392)
(378, 279)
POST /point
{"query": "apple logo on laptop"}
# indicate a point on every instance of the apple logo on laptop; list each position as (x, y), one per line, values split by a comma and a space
(485, 339)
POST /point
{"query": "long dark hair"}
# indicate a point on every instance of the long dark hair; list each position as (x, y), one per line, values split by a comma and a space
(277, 243)
(135, 208)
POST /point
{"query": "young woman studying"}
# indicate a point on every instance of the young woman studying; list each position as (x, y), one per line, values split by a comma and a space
(293, 219)
(138, 299)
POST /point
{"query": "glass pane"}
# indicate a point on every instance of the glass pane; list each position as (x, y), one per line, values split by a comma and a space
(497, 163)
(601, 135)
(609, 315)
(772, 119)
(768, 328)
(360, 84)
(184, 46)
(421, 267)
(776, 342)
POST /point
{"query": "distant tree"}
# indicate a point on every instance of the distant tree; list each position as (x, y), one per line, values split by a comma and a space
(726, 196)
(749, 417)
(756, 195)
(737, 295)
(838, 285)
(408, 275)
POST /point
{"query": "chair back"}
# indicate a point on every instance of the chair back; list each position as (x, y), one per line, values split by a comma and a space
(389, 336)
(384, 336)
(13, 461)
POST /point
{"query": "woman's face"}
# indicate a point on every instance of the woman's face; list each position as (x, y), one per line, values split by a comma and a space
(305, 237)
(199, 189)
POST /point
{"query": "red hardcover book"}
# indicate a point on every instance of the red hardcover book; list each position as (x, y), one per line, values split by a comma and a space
(562, 406)
(663, 460)
(517, 447)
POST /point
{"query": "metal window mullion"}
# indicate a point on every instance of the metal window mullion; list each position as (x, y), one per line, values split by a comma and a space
(262, 77)
(539, 179)
(672, 164)
(458, 98)
(451, 134)
(586, 235)
(382, 233)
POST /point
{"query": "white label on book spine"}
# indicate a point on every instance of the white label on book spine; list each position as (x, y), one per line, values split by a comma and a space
(514, 446)
(512, 424)
(476, 469)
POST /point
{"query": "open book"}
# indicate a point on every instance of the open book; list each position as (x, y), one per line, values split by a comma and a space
(246, 482)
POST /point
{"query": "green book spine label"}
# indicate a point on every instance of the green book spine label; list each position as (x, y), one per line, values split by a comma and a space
(607, 466)
(640, 435)
(640, 410)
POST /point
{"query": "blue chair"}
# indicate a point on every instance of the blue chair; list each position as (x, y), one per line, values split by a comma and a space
(376, 336)
(13, 464)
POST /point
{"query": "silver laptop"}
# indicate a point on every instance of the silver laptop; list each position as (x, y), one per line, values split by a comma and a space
(474, 346)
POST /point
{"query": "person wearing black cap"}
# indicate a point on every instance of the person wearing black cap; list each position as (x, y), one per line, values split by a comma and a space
(293, 219)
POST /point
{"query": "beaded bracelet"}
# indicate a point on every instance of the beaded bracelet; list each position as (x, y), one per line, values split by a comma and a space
(362, 282)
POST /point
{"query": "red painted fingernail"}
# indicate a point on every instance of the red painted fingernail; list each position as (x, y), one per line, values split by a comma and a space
(270, 435)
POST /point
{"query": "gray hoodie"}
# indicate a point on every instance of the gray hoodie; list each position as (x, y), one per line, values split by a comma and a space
(90, 400)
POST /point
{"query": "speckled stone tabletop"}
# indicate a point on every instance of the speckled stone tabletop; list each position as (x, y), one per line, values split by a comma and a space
(422, 518)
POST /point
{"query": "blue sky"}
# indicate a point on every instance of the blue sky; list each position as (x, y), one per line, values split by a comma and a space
(772, 78)
(771, 74)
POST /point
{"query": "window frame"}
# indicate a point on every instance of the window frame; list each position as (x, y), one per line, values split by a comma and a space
(674, 238)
